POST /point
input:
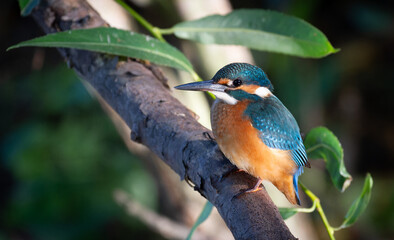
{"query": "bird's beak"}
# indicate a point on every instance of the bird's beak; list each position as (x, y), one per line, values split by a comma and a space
(207, 85)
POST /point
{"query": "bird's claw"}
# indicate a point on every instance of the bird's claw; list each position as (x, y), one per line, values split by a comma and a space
(208, 135)
(256, 188)
(247, 191)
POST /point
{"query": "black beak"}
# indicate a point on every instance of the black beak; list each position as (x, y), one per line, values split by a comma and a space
(207, 85)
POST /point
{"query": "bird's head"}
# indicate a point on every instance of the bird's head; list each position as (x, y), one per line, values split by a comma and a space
(235, 82)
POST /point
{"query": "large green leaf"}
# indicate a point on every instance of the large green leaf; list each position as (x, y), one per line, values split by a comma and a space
(27, 6)
(206, 211)
(359, 205)
(117, 42)
(322, 143)
(258, 29)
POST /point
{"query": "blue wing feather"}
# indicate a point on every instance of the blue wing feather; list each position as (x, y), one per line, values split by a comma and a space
(278, 128)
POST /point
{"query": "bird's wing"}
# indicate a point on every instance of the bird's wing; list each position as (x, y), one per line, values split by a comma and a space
(278, 128)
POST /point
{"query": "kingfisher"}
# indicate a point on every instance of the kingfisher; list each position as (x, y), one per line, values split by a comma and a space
(253, 129)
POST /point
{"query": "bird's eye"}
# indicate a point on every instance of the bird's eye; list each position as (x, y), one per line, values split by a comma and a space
(237, 82)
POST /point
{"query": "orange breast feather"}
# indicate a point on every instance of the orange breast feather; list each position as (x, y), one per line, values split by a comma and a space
(241, 144)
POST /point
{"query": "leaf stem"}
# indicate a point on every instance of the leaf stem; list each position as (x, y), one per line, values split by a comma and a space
(156, 32)
(166, 31)
(319, 208)
(308, 210)
(153, 30)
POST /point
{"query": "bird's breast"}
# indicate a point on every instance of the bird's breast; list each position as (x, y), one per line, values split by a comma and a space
(241, 144)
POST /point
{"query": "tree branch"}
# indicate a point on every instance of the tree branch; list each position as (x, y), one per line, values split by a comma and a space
(139, 94)
(166, 227)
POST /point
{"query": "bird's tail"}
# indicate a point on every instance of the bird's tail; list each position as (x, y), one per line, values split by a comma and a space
(299, 171)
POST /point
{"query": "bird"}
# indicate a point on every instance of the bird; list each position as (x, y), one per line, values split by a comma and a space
(253, 128)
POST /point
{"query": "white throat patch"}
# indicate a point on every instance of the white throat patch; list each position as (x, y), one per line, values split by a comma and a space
(263, 92)
(225, 97)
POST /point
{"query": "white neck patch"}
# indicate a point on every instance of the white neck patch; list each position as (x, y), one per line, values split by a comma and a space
(263, 92)
(225, 97)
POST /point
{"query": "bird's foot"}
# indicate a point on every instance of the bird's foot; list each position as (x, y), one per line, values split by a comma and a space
(256, 188)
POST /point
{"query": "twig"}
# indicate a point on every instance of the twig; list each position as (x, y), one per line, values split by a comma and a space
(319, 209)
(163, 225)
(153, 30)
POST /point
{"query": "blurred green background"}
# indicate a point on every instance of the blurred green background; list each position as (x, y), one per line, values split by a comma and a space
(61, 157)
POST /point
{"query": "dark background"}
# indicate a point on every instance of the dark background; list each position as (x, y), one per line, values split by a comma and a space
(61, 157)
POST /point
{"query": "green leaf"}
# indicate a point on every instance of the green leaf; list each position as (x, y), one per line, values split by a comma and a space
(322, 143)
(287, 212)
(258, 29)
(206, 211)
(359, 205)
(117, 42)
(27, 6)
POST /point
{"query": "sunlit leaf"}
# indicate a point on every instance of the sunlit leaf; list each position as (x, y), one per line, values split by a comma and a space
(206, 211)
(258, 29)
(322, 143)
(117, 42)
(27, 6)
(359, 205)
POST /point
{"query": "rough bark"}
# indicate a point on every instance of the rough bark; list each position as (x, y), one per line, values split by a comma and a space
(139, 94)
